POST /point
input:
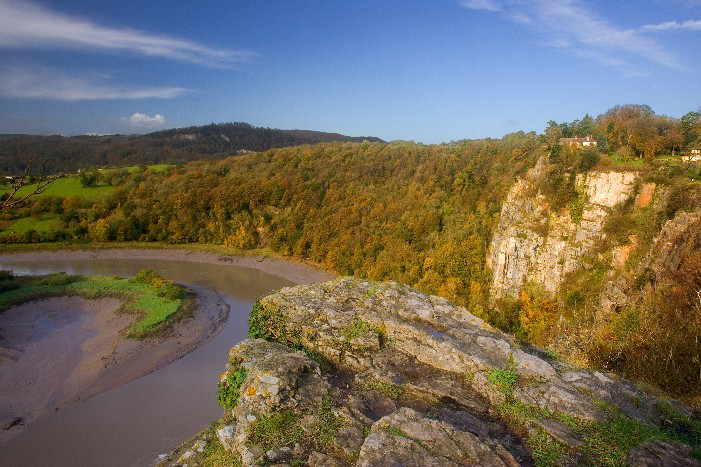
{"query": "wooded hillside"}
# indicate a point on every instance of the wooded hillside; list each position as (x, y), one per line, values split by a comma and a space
(68, 154)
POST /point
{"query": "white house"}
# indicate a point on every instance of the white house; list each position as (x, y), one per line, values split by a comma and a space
(589, 141)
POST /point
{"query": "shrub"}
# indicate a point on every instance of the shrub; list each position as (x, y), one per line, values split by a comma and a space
(229, 388)
(266, 323)
(146, 276)
(539, 315)
(56, 280)
(665, 328)
(682, 196)
(170, 291)
(505, 315)
(588, 158)
(574, 298)
(89, 178)
(164, 288)
(577, 207)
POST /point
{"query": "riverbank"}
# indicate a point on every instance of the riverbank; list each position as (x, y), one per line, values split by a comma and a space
(294, 271)
(62, 350)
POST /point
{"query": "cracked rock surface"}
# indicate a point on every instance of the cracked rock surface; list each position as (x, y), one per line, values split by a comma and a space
(353, 372)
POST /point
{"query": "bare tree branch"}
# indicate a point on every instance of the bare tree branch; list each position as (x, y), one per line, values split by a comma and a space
(43, 183)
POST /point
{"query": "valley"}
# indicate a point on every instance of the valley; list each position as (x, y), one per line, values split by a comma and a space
(587, 257)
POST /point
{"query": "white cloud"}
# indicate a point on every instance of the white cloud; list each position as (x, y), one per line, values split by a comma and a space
(27, 25)
(48, 83)
(140, 120)
(690, 25)
(571, 26)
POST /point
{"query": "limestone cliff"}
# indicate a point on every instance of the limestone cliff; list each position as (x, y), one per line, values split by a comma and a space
(353, 372)
(534, 244)
(678, 240)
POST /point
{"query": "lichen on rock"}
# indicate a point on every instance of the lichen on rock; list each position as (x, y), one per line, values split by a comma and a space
(410, 379)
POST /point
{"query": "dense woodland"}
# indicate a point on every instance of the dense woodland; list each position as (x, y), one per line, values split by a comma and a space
(424, 216)
(68, 154)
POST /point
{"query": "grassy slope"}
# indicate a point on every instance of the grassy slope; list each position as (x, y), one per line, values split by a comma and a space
(67, 186)
(45, 222)
(154, 167)
(70, 186)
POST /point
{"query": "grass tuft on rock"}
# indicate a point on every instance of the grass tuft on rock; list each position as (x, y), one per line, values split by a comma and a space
(546, 451)
(385, 387)
(277, 429)
(504, 379)
(328, 424)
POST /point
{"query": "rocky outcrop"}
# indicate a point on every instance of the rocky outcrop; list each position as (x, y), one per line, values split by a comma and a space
(352, 372)
(531, 243)
(662, 453)
(680, 236)
(407, 438)
(678, 239)
(278, 382)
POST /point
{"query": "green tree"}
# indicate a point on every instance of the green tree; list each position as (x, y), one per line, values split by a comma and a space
(690, 126)
(89, 178)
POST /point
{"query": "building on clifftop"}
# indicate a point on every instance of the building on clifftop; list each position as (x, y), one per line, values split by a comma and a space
(579, 142)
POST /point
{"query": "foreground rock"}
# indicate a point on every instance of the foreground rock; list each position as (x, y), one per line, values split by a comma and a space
(387, 376)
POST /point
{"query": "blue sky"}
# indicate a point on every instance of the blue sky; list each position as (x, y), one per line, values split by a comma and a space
(429, 71)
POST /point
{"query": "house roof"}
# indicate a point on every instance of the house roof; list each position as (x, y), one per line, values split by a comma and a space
(576, 139)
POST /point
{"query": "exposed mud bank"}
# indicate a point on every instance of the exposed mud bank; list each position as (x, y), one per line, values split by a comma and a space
(57, 351)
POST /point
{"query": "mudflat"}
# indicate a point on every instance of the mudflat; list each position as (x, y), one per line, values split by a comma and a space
(57, 351)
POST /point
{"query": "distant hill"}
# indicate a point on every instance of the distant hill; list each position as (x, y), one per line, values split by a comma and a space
(167, 146)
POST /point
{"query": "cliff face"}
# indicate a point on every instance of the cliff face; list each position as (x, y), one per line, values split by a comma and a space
(678, 241)
(533, 244)
(360, 373)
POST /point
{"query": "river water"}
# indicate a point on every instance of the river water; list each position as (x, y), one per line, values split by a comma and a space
(134, 423)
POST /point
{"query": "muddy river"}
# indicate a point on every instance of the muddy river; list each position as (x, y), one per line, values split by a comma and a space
(134, 423)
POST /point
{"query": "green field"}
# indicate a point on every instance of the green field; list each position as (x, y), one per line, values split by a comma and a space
(636, 163)
(134, 168)
(69, 186)
(45, 223)
(156, 300)
(155, 167)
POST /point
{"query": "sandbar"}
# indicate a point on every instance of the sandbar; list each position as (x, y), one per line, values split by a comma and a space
(61, 350)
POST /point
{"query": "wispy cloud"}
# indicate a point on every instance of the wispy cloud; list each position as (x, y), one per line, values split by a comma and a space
(691, 25)
(489, 5)
(27, 25)
(140, 120)
(572, 26)
(48, 83)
